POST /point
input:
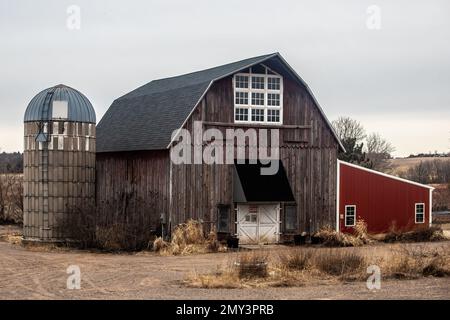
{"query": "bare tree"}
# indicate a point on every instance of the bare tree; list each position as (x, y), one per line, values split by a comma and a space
(349, 129)
(351, 133)
(378, 151)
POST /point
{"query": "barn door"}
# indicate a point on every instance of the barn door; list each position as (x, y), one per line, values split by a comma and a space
(258, 224)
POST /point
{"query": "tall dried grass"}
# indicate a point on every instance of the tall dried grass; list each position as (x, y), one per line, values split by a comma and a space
(188, 238)
(297, 266)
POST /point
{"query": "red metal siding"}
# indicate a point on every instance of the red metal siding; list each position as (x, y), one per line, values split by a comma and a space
(381, 201)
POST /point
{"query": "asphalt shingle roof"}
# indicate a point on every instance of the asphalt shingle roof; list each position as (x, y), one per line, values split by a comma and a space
(145, 118)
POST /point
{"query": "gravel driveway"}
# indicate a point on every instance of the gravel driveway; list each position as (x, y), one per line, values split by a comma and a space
(38, 274)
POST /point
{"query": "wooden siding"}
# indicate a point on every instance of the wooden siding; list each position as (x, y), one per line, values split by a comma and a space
(309, 157)
(142, 177)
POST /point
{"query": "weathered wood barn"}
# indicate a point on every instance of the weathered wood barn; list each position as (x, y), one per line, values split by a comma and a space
(134, 143)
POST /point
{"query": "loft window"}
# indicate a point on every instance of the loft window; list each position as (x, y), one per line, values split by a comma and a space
(257, 115)
(241, 98)
(257, 99)
(257, 90)
(273, 83)
(350, 216)
(258, 83)
(420, 213)
(60, 109)
(273, 115)
(273, 99)
(241, 81)
(290, 218)
(241, 114)
(223, 218)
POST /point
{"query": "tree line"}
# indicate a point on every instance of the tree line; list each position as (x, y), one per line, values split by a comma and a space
(11, 162)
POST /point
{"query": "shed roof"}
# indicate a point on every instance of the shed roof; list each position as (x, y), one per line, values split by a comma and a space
(145, 118)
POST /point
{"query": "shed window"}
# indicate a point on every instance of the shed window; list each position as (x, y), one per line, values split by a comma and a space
(420, 212)
(350, 215)
(258, 88)
(223, 218)
(290, 218)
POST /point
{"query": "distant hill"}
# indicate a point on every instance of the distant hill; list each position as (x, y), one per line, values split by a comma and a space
(11, 162)
(400, 166)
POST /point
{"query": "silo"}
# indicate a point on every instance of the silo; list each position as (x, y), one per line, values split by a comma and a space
(59, 161)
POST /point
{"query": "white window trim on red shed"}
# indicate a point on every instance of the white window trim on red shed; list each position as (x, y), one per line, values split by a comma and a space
(338, 186)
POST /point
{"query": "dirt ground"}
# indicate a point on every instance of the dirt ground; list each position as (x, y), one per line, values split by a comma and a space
(41, 274)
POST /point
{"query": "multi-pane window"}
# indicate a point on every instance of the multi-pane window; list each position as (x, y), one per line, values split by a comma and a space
(257, 99)
(258, 82)
(420, 212)
(258, 115)
(241, 114)
(241, 81)
(241, 97)
(273, 115)
(350, 216)
(273, 99)
(258, 96)
(273, 83)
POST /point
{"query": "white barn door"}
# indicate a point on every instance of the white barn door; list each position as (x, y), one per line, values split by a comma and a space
(258, 224)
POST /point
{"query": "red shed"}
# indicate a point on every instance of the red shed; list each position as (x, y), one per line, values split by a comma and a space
(382, 200)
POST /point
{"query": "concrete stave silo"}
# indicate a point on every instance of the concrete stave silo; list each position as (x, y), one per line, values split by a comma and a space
(59, 161)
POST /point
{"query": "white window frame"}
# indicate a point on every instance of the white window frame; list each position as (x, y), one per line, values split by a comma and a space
(345, 215)
(265, 91)
(415, 212)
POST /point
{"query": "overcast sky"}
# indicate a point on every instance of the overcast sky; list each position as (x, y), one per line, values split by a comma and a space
(395, 80)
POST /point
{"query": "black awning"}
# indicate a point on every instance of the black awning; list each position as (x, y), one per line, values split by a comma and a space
(251, 186)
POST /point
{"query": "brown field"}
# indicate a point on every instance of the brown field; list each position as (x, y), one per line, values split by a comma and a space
(401, 165)
(40, 273)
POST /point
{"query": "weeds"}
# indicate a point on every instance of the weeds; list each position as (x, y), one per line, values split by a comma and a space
(188, 238)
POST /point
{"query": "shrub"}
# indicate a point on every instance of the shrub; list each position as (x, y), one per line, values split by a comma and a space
(419, 235)
(331, 238)
(252, 265)
(339, 262)
(188, 238)
(296, 259)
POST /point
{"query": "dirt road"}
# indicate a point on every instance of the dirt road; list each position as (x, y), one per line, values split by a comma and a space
(27, 274)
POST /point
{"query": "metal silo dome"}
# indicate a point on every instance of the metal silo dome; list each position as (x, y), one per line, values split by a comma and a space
(79, 109)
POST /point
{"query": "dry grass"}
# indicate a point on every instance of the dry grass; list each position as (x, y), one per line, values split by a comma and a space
(188, 238)
(419, 235)
(345, 265)
(412, 263)
(331, 238)
(300, 266)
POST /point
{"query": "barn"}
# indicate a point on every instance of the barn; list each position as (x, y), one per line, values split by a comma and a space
(383, 201)
(135, 139)
(142, 130)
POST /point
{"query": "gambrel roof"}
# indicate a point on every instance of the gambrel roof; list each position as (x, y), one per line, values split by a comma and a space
(145, 118)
